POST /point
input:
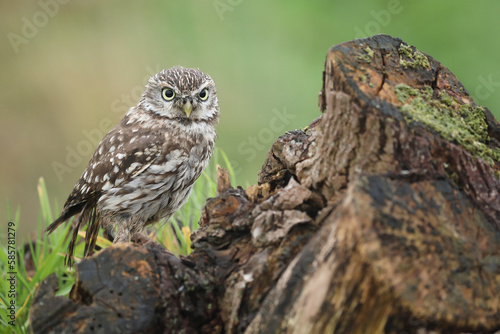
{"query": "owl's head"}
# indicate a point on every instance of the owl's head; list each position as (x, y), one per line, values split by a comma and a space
(181, 93)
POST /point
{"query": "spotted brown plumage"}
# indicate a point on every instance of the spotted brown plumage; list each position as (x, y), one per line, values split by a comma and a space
(144, 169)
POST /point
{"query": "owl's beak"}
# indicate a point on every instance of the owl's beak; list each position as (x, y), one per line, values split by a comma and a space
(187, 107)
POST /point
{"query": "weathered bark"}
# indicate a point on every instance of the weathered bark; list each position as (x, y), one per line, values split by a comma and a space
(371, 220)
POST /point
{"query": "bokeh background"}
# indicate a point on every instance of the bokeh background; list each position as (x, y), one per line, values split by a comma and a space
(70, 70)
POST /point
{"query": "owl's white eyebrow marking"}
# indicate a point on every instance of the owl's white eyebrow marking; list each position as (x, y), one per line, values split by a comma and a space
(208, 83)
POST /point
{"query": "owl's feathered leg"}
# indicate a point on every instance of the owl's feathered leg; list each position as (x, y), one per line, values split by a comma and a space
(123, 227)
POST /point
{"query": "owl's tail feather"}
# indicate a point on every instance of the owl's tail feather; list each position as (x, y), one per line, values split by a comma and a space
(65, 215)
(68, 259)
(92, 232)
(88, 214)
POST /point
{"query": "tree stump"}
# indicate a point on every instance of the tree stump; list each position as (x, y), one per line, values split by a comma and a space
(382, 216)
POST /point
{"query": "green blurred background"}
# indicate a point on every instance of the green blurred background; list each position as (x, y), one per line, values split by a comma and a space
(70, 69)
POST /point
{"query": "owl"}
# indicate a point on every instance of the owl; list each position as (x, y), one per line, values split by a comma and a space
(144, 169)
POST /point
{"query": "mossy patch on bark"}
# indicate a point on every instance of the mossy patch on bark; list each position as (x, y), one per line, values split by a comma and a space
(464, 124)
(409, 58)
(368, 56)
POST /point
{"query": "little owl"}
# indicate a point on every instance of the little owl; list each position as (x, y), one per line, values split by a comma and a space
(144, 169)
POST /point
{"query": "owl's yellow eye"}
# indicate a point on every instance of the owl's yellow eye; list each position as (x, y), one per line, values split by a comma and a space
(203, 94)
(168, 94)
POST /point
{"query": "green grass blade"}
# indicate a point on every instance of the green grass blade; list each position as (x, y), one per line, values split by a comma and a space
(44, 201)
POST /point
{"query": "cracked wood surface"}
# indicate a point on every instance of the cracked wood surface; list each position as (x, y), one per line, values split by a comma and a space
(363, 222)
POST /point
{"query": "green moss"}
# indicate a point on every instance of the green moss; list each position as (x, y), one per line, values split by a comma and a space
(464, 124)
(362, 78)
(427, 93)
(446, 98)
(369, 51)
(368, 56)
(403, 92)
(414, 59)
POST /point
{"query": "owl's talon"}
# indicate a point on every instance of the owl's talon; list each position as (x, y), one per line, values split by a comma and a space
(140, 239)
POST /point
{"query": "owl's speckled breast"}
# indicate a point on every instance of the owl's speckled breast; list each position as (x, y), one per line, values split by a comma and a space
(164, 186)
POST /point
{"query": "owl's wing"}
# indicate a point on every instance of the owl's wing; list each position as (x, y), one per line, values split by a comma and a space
(124, 153)
(120, 156)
